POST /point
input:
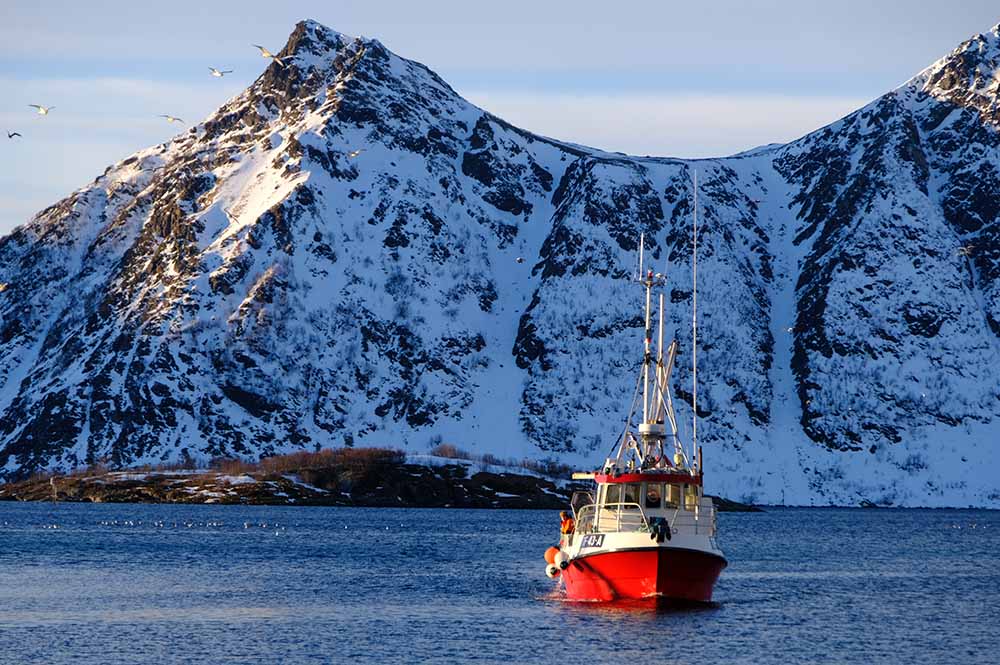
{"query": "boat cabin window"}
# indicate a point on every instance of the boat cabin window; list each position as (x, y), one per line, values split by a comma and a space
(673, 496)
(654, 495)
(615, 494)
(630, 493)
(612, 494)
(690, 497)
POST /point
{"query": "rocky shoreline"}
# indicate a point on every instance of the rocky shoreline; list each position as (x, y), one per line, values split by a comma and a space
(400, 486)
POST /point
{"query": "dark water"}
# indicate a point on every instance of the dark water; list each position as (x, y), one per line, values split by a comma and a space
(227, 584)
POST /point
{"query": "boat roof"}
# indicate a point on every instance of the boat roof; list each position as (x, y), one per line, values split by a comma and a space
(649, 477)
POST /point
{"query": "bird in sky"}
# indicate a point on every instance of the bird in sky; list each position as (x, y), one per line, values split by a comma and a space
(264, 53)
(11, 135)
(217, 73)
(171, 118)
(42, 110)
(355, 153)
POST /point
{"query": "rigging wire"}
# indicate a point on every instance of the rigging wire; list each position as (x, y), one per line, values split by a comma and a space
(628, 420)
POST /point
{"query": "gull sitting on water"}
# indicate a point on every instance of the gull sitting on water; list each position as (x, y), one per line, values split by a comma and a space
(264, 53)
(219, 73)
(42, 110)
(355, 153)
(965, 251)
(171, 118)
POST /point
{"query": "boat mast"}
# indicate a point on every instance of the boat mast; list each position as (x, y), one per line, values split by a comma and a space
(648, 335)
(694, 323)
(651, 429)
(648, 448)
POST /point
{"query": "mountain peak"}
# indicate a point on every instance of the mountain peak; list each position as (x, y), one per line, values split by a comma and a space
(316, 26)
(966, 77)
(310, 40)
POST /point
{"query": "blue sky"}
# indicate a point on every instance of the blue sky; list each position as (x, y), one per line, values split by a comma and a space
(665, 78)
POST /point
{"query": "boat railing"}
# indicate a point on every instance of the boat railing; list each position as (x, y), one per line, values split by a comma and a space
(611, 518)
(623, 517)
(699, 519)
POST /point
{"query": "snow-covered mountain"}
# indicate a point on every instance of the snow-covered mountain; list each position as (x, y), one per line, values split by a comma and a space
(251, 287)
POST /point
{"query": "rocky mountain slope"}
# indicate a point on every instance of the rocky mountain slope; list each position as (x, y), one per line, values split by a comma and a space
(251, 287)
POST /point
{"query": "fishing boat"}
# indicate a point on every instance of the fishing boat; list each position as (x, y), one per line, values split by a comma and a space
(646, 531)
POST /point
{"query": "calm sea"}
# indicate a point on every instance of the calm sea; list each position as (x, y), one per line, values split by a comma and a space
(82, 583)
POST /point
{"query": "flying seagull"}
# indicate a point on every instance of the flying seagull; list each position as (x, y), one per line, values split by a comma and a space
(220, 73)
(355, 153)
(264, 53)
(42, 110)
(11, 135)
(171, 118)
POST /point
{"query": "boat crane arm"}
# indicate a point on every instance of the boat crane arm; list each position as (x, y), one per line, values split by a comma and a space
(664, 403)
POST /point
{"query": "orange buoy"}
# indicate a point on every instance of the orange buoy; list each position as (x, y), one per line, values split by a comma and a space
(550, 554)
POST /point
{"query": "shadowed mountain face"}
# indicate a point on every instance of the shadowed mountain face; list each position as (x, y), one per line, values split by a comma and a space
(258, 285)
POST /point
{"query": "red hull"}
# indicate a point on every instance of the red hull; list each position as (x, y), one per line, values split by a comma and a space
(654, 572)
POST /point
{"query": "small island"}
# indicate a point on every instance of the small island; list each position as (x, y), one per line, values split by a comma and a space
(448, 477)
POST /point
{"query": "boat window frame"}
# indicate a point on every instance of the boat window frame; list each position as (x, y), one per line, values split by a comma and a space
(606, 498)
(691, 495)
(636, 489)
(667, 503)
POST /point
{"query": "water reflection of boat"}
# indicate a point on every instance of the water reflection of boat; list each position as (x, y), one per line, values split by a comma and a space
(647, 530)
